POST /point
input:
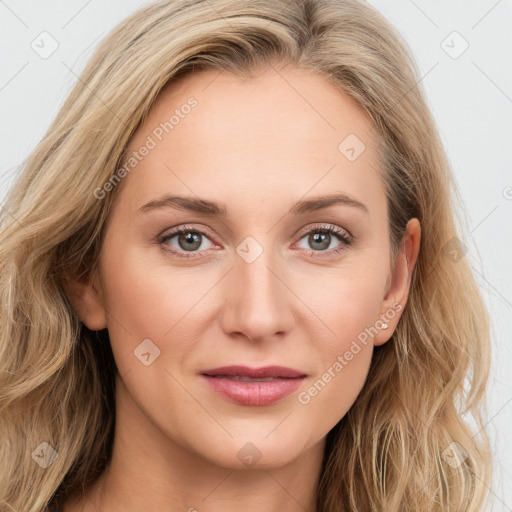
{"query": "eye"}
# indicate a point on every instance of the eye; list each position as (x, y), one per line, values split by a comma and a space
(191, 240)
(320, 239)
(188, 239)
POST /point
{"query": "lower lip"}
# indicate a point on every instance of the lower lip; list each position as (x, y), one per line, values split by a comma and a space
(253, 393)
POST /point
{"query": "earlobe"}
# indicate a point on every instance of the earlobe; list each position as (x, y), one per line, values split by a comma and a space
(86, 298)
(398, 292)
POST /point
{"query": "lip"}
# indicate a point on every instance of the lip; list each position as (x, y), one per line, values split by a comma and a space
(254, 373)
(225, 381)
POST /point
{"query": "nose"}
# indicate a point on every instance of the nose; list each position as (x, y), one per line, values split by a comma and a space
(259, 302)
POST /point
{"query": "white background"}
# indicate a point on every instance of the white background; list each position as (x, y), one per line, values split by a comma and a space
(470, 96)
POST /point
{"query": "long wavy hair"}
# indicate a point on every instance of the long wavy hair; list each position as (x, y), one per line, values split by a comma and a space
(414, 440)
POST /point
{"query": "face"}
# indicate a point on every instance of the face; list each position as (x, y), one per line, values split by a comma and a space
(265, 271)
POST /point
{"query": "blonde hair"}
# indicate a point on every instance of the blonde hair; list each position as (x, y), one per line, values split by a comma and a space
(389, 452)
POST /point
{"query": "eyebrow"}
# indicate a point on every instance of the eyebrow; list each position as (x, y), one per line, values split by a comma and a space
(191, 204)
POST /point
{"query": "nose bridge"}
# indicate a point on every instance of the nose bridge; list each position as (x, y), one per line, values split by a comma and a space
(258, 300)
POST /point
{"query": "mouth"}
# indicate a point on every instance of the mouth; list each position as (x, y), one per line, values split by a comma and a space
(246, 379)
(253, 386)
(266, 372)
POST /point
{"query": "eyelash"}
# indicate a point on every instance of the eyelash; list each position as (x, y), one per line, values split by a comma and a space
(345, 238)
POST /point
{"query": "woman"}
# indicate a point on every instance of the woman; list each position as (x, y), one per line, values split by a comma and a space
(232, 279)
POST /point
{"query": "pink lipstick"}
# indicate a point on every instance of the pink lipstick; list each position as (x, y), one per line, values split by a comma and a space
(253, 386)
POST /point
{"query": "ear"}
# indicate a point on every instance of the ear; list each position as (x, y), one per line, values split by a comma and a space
(86, 297)
(398, 292)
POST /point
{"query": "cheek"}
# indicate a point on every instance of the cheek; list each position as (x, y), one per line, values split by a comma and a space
(342, 364)
(348, 303)
(346, 300)
(148, 299)
(331, 392)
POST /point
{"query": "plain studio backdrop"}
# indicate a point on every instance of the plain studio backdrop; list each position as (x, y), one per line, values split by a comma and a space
(463, 52)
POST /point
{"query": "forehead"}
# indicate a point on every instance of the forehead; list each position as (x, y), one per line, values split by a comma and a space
(286, 132)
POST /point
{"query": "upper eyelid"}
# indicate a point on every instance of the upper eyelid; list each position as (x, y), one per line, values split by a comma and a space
(320, 226)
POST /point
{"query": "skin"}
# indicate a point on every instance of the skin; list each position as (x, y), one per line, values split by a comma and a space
(258, 146)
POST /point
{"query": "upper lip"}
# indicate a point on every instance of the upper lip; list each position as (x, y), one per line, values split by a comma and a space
(254, 373)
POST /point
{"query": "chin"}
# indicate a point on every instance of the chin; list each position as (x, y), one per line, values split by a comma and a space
(258, 452)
